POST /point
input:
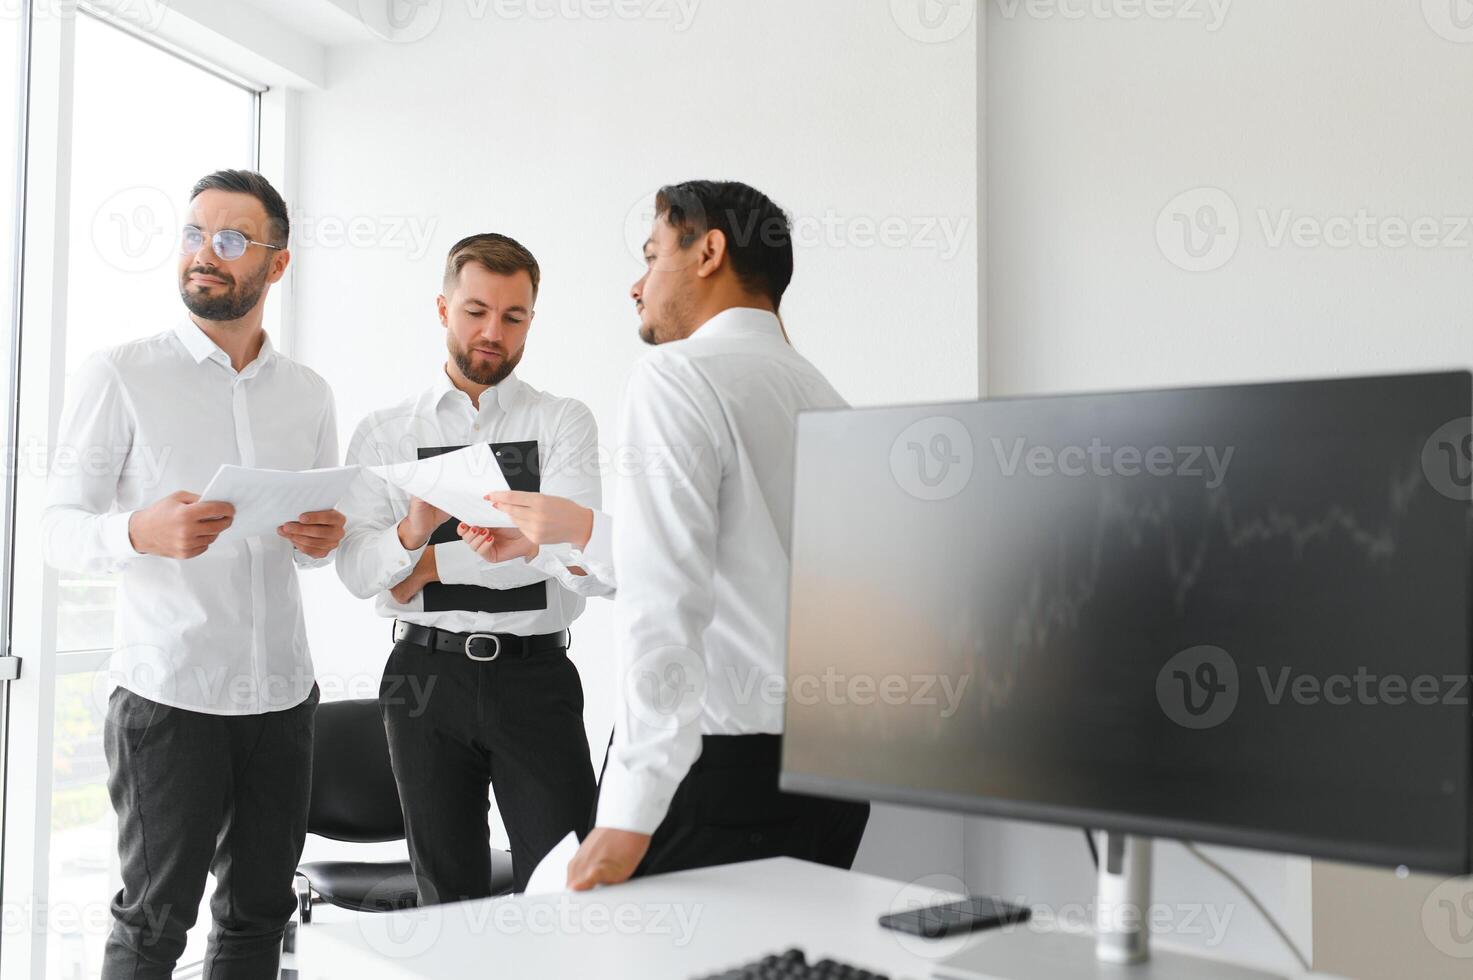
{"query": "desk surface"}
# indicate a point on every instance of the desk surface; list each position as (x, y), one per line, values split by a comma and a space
(672, 926)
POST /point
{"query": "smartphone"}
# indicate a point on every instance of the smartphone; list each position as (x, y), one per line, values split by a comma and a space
(954, 918)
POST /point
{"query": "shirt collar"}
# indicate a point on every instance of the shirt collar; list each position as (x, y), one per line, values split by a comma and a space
(202, 348)
(504, 395)
(737, 319)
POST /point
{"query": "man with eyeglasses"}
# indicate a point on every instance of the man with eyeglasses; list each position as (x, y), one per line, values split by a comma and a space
(209, 730)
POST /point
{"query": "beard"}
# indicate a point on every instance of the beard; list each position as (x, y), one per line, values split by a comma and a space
(488, 376)
(672, 319)
(234, 302)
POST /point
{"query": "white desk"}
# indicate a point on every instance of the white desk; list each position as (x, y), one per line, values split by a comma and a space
(672, 926)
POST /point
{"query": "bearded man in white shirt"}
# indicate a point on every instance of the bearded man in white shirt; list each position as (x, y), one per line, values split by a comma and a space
(478, 689)
(699, 546)
(209, 732)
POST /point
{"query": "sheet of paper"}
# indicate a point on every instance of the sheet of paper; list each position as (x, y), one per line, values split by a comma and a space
(266, 499)
(457, 483)
(551, 874)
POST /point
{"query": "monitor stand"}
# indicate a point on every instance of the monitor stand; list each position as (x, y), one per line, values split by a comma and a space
(1119, 948)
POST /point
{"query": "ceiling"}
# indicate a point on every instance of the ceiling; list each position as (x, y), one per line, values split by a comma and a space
(328, 22)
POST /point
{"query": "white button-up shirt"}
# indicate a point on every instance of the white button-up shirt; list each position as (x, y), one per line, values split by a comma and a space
(371, 560)
(221, 633)
(596, 558)
(701, 551)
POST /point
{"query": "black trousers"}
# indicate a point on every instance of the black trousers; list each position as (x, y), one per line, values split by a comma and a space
(515, 723)
(197, 793)
(729, 809)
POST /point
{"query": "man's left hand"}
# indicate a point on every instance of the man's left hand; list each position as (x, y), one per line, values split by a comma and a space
(607, 857)
(315, 534)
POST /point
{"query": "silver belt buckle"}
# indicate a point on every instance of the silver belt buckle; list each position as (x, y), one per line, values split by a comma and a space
(483, 636)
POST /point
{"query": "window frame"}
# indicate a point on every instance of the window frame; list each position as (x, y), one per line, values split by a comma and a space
(77, 660)
(37, 334)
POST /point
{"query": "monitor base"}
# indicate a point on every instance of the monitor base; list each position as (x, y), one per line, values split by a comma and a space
(1020, 954)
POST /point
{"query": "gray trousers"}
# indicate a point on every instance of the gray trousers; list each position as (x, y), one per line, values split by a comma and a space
(198, 793)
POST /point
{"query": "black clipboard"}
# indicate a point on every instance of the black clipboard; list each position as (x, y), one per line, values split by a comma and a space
(521, 467)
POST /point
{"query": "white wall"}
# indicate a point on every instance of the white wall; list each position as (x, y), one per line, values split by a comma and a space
(556, 131)
(1320, 109)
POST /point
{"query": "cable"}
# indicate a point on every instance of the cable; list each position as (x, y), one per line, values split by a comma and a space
(1094, 853)
(1252, 900)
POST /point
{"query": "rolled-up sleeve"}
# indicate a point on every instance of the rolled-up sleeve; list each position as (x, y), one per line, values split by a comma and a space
(596, 560)
(573, 471)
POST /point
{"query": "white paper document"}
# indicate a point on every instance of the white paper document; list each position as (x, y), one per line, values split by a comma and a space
(551, 874)
(456, 482)
(266, 499)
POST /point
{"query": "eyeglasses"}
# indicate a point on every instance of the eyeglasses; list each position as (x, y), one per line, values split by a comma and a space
(227, 243)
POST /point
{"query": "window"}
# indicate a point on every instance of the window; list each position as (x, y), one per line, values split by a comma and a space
(137, 148)
(145, 125)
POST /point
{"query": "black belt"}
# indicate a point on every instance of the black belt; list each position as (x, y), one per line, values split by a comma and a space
(480, 646)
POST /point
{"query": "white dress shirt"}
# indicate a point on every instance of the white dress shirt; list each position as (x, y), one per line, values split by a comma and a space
(371, 559)
(221, 633)
(596, 558)
(701, 551)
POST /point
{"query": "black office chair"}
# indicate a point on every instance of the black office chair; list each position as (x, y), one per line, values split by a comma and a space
(354, 799)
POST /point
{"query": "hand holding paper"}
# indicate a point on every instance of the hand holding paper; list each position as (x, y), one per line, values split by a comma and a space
(178, 526)
(551, 873)
(266, 499)
(316, 533)
(457, 483)
(497, 544)
(419, 525)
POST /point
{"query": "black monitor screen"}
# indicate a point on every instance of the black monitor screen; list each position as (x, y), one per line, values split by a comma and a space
(1234, 614)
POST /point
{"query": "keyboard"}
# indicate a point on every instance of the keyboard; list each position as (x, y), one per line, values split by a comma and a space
(792, 965)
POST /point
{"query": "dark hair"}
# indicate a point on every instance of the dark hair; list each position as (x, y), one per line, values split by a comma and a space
(252, 183)
(498, 253)
(759, 239)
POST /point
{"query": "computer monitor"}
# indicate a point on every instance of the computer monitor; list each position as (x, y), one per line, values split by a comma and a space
(1235, 614)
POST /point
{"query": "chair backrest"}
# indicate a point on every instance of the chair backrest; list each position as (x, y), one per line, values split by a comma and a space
(353, 793)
